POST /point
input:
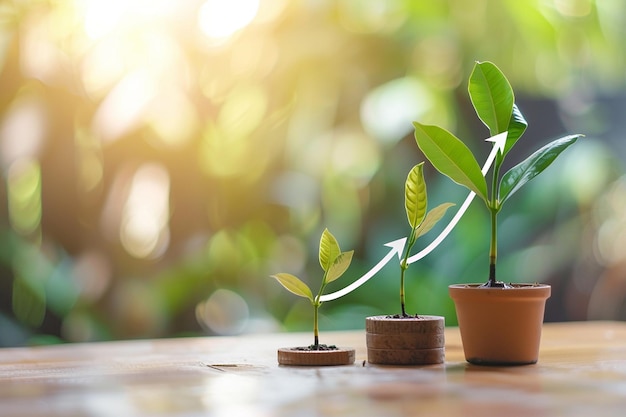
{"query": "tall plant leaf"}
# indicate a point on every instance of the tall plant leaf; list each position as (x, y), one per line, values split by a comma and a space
(329, 249)
(432, 218)
(341, 264)
(532, 166)
(492, 96)
(415, 198)
(451, 157)
(294, 285)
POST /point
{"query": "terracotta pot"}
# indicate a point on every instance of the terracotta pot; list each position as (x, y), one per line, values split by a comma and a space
(405, 341)
(303, 357)
(500, 326)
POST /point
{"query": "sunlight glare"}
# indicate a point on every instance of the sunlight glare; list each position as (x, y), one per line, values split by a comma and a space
(125, 105)
(220, 19)
(101, 17)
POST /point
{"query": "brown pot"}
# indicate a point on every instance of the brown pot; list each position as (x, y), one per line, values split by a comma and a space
(405, 341)
(304, 357)
(500, 326)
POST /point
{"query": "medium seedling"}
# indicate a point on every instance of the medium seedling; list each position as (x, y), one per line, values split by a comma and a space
(421, 221)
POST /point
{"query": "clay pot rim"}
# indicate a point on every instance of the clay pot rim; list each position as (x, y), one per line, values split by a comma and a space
(519, 290)
(516, 287)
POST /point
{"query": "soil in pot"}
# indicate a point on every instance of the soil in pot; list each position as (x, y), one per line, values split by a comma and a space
(500, 326)
(324, 355)
(413, 340)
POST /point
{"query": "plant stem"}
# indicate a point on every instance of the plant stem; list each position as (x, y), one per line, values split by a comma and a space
(493, 248)
(403, 267)
(316, 306)
(494, 208)
(316, 337)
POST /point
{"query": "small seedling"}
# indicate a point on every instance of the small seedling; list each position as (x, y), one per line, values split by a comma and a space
(334, 263)
(421, 221)
(494, 102)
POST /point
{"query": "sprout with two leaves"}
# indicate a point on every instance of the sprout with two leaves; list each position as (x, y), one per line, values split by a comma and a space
(334, 262)
(494, 102)
(421, 221)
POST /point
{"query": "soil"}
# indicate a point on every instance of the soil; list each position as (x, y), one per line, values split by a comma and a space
(501, 284)
(314, 348)
(408, 316)
(497, 284)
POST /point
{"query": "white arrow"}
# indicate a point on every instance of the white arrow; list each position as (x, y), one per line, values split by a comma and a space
(499, 141)
(397, 246)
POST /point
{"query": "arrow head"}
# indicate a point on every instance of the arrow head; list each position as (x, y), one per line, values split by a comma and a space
(397, 246)
(499, 141)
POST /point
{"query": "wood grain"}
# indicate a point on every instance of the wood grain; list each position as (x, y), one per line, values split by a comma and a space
(581, 372)
(406, 356)
(401, 341)
(297, 357)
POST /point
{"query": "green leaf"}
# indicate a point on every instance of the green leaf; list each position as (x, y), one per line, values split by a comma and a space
(329, 249)
(432, 218)
(451, 157)
(341, 264)
(294, 285)
(532, 166)
(415, 198)
(492, 96)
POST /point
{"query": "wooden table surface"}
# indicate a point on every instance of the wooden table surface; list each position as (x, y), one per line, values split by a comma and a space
(581, 372)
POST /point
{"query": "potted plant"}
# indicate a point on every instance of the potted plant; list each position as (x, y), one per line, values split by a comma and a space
(500, 323)
(405, 339)
(334, 262)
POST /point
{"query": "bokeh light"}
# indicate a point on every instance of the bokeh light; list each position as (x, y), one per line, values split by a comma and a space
(223, 313)
(144, 228)
(160, 159)
(24, 195)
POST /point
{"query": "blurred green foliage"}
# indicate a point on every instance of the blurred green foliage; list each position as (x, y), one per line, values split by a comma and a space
(161, 159)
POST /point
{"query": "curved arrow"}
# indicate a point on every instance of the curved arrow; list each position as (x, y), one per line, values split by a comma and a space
(397, 246)
(499, 141)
